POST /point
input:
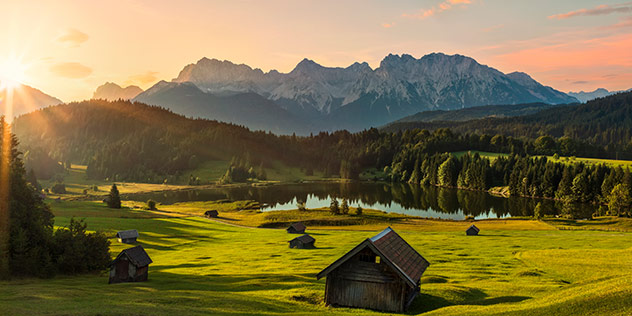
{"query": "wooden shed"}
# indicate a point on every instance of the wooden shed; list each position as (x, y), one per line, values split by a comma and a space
(127, 236)
(472, 230)
(131, 265)
(211, 214)
(382, 273)
(297, 228)
(303, 242)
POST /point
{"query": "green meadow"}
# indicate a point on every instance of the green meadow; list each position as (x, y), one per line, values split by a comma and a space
(521, 267)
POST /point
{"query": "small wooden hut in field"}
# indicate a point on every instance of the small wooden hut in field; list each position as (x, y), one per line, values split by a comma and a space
(296, 228)
(131, 265)
(211, 214)
(127, 236)
(381, 273)
(303, 242)
(472, 230)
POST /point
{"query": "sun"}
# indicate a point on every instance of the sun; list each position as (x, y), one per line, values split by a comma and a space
(12, 73)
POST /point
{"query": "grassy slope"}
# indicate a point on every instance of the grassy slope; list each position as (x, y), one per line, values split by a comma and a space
(201, 266)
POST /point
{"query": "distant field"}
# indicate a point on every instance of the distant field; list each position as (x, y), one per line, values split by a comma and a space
(205, 267)
(491, 156)
(566, 160)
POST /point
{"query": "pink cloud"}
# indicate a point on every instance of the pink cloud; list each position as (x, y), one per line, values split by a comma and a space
(578, 60)
(598, 10)
(443, 6)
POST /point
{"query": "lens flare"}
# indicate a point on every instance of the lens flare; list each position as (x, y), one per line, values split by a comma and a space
(12, 73)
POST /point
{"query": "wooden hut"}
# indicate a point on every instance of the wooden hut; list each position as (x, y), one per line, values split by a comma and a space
(296, 228)
(127, 236)
(303, 242)
(211, 214)
(131, 265)
(382, 273)
(472, 231)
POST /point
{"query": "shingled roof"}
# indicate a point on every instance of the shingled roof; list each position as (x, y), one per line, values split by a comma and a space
(136, 255)
(125, 234)
(298, 226)
(304, 239)
(394, 251)
(474, 228)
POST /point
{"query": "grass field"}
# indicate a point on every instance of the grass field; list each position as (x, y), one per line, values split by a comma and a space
(566, 160)
(514, 267)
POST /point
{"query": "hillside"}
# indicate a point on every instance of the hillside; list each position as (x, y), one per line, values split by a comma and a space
(476, 113)
(248, 109)
(27, 99)
(124, 140)
(605, 122)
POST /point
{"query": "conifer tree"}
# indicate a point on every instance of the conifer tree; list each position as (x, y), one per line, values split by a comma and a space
(114, 199)
(344, 206)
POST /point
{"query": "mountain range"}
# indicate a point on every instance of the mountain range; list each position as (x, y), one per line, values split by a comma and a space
(27, 99)
(584, 97)
(357, 97)
(111, 91)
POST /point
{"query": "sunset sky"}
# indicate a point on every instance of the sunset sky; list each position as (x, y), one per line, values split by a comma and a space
(71, 47)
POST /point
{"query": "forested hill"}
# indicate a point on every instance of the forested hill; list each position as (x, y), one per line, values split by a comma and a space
(605, 122)
(477, 112)
(125, 140)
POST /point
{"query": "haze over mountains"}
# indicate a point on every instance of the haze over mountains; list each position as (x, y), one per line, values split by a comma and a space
(27, 99)
(318, 98)
(584, 97)
(111, 91)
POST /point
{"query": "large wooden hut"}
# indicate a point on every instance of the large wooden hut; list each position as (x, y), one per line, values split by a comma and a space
(131, 265)
(303, 242)
(472, 230)
(127, 236)
(381, 273)
(211, 214)
(296, 228)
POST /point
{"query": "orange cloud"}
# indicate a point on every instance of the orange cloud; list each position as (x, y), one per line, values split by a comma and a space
(388, 25)
(73, 37)
(71, 70)
(563, 64)
(443, 6)
(143, 79)
(598, 10)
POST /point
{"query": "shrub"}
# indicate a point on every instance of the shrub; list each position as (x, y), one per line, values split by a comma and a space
(151, 204)
(359, 210)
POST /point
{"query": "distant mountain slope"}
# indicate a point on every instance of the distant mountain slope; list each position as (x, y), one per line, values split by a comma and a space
(27, 99)
(248, 109)
(358, 97)
(476, 113)
(598, 93)
(111, 91)
(606, 121)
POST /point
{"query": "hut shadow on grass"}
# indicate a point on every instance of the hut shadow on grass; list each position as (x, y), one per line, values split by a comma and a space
(425, 302)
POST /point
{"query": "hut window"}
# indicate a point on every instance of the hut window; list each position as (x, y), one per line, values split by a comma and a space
(367, 258)
(377, 259)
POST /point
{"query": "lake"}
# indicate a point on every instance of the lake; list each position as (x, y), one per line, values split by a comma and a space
(416, 200)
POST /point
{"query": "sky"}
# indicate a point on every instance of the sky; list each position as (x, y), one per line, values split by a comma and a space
(71, 47)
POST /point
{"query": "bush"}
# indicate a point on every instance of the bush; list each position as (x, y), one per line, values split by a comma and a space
(151, 205)
(359, 210)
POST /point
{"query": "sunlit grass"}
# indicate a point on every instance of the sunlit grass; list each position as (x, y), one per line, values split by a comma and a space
(201, 266)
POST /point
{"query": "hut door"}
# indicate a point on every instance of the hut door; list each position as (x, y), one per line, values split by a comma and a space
(122, 270)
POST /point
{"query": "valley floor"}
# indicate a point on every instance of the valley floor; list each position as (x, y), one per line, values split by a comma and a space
(515, 267)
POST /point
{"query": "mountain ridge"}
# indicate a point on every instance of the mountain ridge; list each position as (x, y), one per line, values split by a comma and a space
(357, 97)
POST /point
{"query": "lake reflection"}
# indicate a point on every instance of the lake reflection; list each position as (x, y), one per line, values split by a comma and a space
(423, 201)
